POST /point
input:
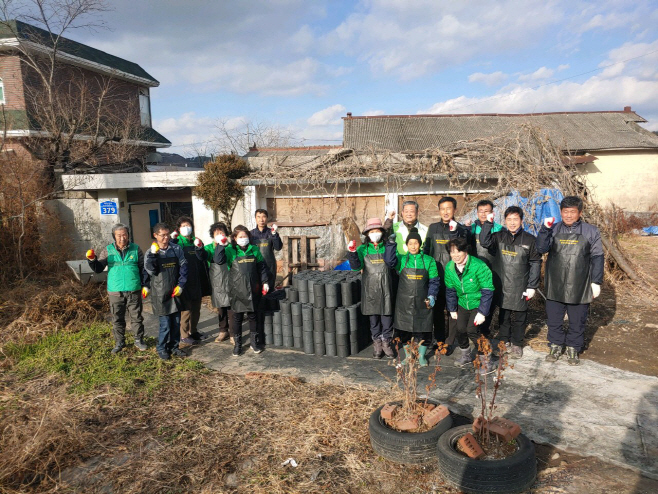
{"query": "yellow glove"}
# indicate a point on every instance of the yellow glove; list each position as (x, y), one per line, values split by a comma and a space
(145, 292)
(154, 248)
(91, 255)
(177, 291)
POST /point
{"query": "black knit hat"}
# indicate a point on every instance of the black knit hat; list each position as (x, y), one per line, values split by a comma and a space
(413, 233)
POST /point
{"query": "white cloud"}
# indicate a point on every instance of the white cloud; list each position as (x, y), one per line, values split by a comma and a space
(560, 68)
(187, 132)
(540, 74)
(328, 116)
(493, 79)
(636, 85)
(373, 113)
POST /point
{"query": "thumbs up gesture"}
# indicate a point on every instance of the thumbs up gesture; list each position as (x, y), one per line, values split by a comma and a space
(452, 225)
(352, 246)
(91, 255)
(155, 248)
(548, 222)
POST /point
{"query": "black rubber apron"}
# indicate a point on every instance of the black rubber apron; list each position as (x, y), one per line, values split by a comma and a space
(219, 274)
(376, 286)
(162, 286)
(198, 283)
(482, 253)
(244, 285)
(267, 251)
(441, 254)
(512, 265)
(411, 312)
(568, 277)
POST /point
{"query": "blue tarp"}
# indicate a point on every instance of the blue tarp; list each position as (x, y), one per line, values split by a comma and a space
(542, 204)
(650, 230)
(344, 266)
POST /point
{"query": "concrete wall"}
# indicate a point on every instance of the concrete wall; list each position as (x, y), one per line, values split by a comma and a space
(627, 178)
(80, 220)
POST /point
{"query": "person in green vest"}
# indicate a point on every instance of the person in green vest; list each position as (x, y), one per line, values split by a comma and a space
(402, 228)
(198, 284)
(469, 291)
(418, 288)
(127, 284)
(485, 209)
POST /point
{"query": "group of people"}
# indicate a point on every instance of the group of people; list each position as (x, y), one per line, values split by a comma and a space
(417, 278)
(237, 269)
(435, 284)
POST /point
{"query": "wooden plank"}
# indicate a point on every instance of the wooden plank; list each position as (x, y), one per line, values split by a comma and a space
(428, 205)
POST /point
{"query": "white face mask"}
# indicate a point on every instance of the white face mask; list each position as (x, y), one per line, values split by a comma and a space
(243, 241)
(375, 237)
(186, 231)
(218, 238)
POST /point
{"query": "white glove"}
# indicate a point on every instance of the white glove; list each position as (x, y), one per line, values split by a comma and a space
(274, 228)
(198, 242)
(174, 235)
(548, 222)
(390, 214)
(154, 248)
(529, 293)
(453, 315)
(479, 319)
(490, 217)
(223, 240)
(452, 225)
(266, 288)
(352, 246)
(596, 290)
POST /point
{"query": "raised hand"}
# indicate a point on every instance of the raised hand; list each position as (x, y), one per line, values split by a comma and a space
(352, 246)
(91, 255)
(549, 222)
(452, 225)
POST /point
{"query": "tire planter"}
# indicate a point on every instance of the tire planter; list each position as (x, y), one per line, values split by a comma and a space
(405, 447)
(513, 474)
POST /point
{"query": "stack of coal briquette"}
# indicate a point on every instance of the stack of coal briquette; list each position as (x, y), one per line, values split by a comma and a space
(320, 314)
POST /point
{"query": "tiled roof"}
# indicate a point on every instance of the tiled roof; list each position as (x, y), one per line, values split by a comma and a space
(70, 47)
(575, 131)
(291, 151)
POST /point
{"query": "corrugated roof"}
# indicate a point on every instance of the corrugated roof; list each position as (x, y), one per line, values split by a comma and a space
(575, 131)
(291, 151)
(38, 35)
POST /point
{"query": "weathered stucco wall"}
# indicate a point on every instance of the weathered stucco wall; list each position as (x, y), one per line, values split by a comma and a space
(627, 178)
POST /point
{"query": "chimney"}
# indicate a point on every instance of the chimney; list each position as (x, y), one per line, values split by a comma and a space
(349, 114)
(253, 148)
(627, 109)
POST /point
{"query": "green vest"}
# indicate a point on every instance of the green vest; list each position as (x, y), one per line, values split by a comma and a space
(123, 274)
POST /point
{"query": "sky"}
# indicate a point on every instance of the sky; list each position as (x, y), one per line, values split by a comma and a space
(303, 65)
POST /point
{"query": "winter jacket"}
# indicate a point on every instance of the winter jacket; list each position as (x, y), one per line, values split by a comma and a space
(231, 252)
(172, 250)
(356, 259)
(473, 289)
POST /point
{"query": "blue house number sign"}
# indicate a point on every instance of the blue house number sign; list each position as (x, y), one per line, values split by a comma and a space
(108, 207)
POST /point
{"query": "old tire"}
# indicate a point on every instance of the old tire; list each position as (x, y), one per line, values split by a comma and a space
(514, 474)
(405, 447)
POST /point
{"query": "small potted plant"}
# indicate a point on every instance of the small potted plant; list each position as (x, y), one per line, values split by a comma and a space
(491, 455)
(407, 429)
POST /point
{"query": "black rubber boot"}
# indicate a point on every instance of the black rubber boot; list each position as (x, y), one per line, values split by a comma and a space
(377, 350)
(256, 344)
(237, 344)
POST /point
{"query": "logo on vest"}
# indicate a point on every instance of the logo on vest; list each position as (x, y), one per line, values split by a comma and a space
(566, 241)
(508, 253)
(441, 241)
(377, 261)
(248, 259)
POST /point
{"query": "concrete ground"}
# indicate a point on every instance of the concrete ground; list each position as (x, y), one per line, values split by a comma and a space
(590, 410)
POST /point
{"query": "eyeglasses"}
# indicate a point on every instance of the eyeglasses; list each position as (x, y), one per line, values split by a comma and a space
(162, 235)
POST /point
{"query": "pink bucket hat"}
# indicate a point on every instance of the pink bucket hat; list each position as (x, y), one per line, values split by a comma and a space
(371, 224)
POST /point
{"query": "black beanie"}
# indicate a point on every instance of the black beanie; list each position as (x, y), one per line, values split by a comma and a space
(413, 233)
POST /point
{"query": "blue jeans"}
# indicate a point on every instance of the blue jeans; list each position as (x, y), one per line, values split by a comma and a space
(169, 336)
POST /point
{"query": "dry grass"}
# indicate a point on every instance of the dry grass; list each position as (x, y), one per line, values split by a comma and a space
(208, 433)
(31, 310)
